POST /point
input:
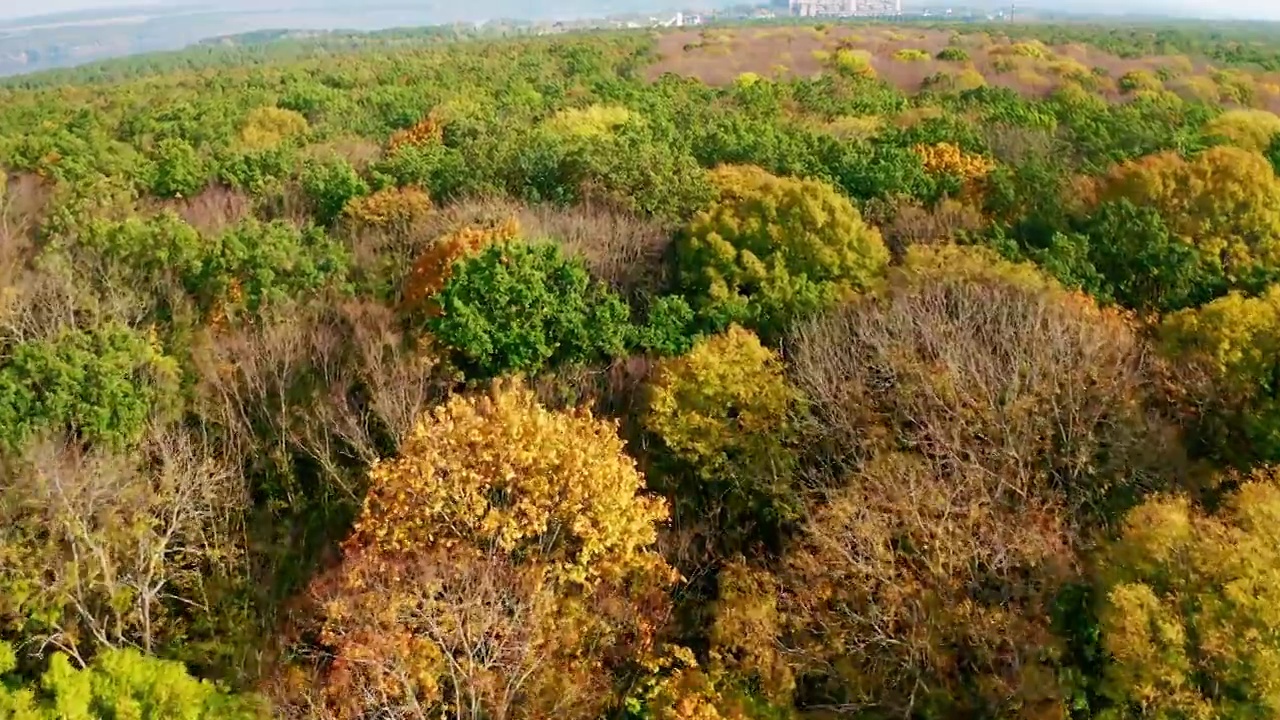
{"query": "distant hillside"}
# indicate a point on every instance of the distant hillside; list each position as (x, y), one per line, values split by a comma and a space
(68, 39)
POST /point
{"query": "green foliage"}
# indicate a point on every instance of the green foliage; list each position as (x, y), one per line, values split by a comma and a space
(119, 684)
(769, 250)
(953, 54)
(515, 307)
(330, 184)
(102, 385)
(177, 170)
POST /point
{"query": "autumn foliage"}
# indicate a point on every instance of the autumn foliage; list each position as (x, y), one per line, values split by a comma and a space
(499, 562)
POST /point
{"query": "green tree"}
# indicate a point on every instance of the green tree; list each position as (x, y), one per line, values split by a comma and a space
(515, 307)
(177, 170)
(329, 185)
(118, 684)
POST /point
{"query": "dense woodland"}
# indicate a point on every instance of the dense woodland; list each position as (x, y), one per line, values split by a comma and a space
(753, 373)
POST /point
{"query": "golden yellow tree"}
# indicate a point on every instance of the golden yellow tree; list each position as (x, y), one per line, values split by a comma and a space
(1223, 203)
(500, 568)
(1190, 616)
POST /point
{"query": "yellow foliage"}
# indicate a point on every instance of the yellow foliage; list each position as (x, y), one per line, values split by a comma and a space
(969, 79)
(267, 127)
(390, 208)
(502, 472)
(849, 61)
(1251, 130)
(912, 55)
(592, 121)
(916, 115)
(432, 269)
(1191, 616)
(428, 131)
(854, 127)
(948, 159)
(1137, 80)
(724, 407)
(504, 556)
(1072, 69)
(1224, 202)
(1033, 49)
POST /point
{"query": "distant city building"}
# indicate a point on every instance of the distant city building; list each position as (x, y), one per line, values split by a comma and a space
(845, 8)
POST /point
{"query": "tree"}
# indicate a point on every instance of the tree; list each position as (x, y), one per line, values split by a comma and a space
(102, 386)
(177, 170)
(500, 568)
(119, 684)
(975, 422)
(723, 414)
(1188, 612)
(516, 307)
(105, 550)
(1224, 203)
(1251, 130)
(1227, 352)
(770, 250)
(329, 185)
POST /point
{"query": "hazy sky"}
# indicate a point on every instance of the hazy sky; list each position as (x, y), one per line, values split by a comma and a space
(1216, 8)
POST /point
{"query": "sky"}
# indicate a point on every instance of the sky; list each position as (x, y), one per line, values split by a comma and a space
(1255, 9)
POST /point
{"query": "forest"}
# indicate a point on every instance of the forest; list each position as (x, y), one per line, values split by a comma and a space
(760, 372)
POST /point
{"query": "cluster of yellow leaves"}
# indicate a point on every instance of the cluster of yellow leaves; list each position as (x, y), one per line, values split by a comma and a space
(1191, 615)
(432, 269)
(267, 127)
(500, 558)
(912, 55)
(1139, 80)
(677, 688)
(397, 207)
(849, 61)
(862, 127)
(723, 403)
(948, 159)
(590, 122)
(1033, 49)
(1224, 202)
(1251, 130)
(428, 131)
(501, 471)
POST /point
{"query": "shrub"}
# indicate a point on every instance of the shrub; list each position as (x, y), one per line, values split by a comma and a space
(591, 121)
(257, 264)
(723, 414)
(267, 127)
(1139, 80)
(1188, 616)
(853, 63)
(426, 132)
(177, 170)
(519, 308)
(101, 385)
(953, 54)
(772, 249)
(911, 55)
(329, 185)
(1251, 130)
(119, 684)
(392, 208)
(503, 558)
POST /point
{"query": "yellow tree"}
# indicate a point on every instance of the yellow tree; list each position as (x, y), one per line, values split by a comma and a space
(1251, 130)
(1223, 203)
(1190, 614)
(500, 568)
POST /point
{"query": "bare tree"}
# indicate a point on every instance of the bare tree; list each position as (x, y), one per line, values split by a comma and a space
(117, 550)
